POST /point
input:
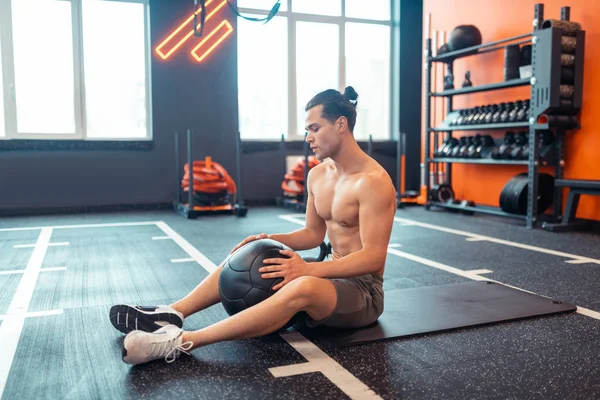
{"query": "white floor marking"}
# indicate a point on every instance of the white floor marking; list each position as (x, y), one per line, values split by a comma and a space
(24, 246)
(394, 245)
(21, 271)
(499, 241)
(294, 369)
(480, 271)
(12, 326)
(293, 218)
(36, 314)
(435, 264)
(475, 239)
(200, 258)
(82, 226)
(340, 377)
(580, 261)
(182, 260)
(161, 238)
(318, 360)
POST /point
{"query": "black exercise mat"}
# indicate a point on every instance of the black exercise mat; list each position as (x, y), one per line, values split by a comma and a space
(429, 309)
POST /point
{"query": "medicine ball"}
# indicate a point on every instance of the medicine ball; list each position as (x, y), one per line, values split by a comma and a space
(240, 284)
(464, 36)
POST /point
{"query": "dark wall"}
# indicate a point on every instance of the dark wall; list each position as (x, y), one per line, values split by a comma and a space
(185, 95)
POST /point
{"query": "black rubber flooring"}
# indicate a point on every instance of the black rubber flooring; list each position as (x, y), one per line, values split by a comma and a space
(75, 353)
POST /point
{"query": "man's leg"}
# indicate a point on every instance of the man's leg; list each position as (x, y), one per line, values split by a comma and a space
(206, 294)
(316, 296)
(126, 317)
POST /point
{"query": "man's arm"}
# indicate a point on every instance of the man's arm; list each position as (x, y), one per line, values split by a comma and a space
(377, 207)
(313, 233)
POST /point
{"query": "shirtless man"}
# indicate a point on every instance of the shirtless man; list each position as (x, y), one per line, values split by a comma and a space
(351, 198)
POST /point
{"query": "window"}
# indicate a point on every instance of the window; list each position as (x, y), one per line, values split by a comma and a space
(262, 4)
(64, 68)
(316, 46)
(263, 78)
(114, 62)
(318, 7)
(368, 71)
(316, 66)
(43, 66)
(372, 9)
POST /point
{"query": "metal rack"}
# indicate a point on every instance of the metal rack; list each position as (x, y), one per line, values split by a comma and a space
(548, 111)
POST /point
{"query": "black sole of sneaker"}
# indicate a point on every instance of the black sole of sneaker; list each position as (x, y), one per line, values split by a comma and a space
(126, 318)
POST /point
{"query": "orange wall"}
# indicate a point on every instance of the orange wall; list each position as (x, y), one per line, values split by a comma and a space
(499, 19)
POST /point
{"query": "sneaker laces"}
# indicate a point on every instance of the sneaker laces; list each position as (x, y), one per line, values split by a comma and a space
(171, 348)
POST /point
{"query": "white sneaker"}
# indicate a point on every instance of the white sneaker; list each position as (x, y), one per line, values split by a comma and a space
(127, 318)
(140, 347)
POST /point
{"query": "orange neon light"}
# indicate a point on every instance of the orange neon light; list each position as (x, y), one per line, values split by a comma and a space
(190, 33)
(202, 56)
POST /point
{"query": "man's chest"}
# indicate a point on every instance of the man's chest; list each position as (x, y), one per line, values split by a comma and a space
(337, 201)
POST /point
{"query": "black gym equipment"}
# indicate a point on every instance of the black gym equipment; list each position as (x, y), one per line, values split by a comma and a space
(240, 284)
(195, 205)
(433, 309)
(576, 189)
(514, 195)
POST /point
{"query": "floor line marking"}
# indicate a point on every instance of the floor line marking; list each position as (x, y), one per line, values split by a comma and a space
(294, 369)
(161, 238)
(340, 377)
(21, 271)
(182, 260)
(318, 360)
(81, 226)
(35, 314)
(24, 246)
(480, 271)
(12, 325)
(196, 255)
(498, 241)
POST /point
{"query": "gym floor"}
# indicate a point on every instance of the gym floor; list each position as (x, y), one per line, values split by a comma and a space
(59, 276)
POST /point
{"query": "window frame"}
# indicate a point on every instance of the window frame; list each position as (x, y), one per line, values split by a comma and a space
(8, 78)
(340, 21)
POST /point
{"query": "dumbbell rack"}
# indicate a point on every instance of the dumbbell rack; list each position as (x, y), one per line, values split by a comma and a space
(547, 111)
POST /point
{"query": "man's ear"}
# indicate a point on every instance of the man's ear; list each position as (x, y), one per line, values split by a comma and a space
(341, 124)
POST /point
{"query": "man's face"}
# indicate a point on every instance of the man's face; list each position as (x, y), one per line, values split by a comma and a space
(323, 137)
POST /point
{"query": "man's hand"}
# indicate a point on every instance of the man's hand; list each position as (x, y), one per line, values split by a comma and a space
(286, 268)
(248, 240)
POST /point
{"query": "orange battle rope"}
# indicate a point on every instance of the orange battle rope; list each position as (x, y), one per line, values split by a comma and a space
(293, 183)
(209, 177)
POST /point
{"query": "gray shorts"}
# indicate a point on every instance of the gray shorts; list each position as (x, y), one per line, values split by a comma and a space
(359, 302)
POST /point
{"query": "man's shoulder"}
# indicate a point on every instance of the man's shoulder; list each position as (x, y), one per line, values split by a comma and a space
(377, 180)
